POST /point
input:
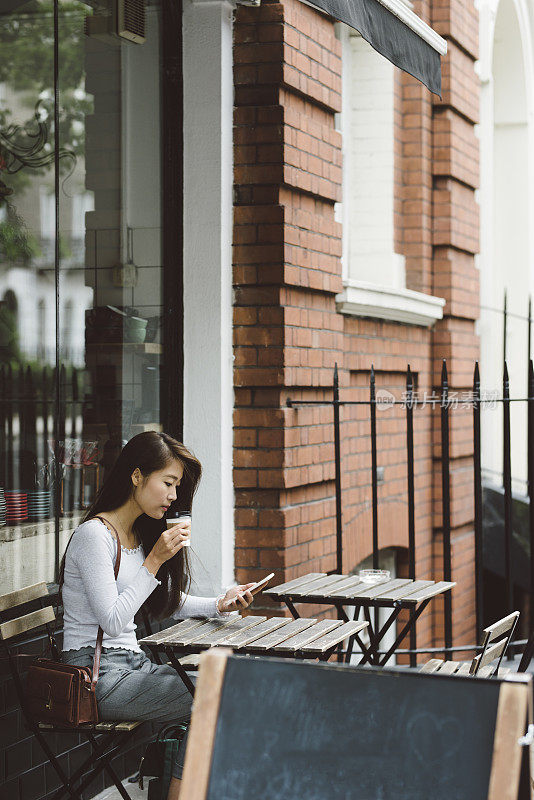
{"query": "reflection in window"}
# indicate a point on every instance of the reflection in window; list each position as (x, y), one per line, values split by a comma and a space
(47, 214)
(104, 273)
(67, 329)
(41, 330)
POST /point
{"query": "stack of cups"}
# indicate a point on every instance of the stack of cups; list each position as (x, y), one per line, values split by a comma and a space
(16, 506)
(39, 504)
(2, 508)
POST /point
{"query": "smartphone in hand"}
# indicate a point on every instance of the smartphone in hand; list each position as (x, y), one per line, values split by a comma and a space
(259, 586)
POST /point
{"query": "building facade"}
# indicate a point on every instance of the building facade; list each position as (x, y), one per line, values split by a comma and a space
(228, 228)
(355, 235)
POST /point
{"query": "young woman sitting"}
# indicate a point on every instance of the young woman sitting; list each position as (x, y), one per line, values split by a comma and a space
(152, 470)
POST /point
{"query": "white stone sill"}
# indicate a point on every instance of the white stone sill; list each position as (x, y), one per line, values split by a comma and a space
(360, 299)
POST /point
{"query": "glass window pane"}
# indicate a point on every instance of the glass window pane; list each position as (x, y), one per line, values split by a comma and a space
(110, 260)
(27, 292)
(105, 277)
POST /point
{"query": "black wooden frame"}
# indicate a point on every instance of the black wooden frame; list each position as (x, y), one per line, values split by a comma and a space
(172, 396)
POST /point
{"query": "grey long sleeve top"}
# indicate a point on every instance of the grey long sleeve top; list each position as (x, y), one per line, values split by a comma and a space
(92, 596)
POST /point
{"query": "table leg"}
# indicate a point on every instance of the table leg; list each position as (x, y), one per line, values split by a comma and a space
(373, 641)
(371, 655)
(360, 644)
(292, 608)
(414, 616)
(180, 670)
(342, 614)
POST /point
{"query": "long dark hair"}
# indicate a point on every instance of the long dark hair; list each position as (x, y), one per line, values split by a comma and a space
(149, 452)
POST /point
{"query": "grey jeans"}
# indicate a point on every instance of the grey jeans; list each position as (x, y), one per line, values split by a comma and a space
(131, 687)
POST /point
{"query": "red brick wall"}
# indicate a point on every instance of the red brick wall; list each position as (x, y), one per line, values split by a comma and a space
(287, 272)
(288, 334)
(455, 241)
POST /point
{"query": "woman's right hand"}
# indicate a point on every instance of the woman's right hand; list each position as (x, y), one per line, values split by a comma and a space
(168, 544)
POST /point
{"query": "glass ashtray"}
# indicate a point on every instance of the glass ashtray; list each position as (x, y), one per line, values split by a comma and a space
(374, 575)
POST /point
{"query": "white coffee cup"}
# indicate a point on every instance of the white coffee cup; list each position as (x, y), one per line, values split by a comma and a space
(180, 517)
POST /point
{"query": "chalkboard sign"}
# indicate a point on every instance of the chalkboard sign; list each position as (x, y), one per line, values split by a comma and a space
(299, 731)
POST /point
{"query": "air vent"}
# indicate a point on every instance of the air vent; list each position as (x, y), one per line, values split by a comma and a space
(131, 20)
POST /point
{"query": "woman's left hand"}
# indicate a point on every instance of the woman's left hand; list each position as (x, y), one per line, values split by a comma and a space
(236, 598)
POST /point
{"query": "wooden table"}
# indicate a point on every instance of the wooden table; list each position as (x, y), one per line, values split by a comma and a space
(255, 636)
(348, 590)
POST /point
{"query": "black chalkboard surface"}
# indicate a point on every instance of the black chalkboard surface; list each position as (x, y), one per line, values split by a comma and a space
(301, 731)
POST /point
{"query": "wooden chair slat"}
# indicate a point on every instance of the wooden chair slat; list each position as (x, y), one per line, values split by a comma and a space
(21, 596)
(492, 652)
(238, 624)
(184, 625)
(190, 661)
(464, 668)
(432, 665)
(127, 726)
(405, 591)
(283, 587)
(333, 638)
(309, 635)
(449, 667)
(277, 637)
(239, 640)
(35, 619)
(486, 672)
(501, 626)
(431, 591)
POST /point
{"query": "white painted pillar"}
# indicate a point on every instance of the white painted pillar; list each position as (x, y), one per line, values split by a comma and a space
(208, 209)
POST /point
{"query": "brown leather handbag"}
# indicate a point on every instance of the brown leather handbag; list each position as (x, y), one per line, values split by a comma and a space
(64, 694)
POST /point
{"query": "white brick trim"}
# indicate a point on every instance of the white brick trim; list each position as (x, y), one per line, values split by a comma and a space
(396, 305)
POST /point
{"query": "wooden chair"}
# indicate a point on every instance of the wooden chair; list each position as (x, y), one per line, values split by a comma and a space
(15, 623)
(496, 640)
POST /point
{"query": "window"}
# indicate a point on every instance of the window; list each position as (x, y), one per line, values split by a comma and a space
(105, 359)
(373, 270)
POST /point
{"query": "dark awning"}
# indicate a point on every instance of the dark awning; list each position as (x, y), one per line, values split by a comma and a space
(394, 31)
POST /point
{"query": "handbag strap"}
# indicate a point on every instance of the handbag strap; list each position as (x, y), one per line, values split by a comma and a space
(100, 634)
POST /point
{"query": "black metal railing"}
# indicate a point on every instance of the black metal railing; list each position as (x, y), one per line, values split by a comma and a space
(473, 401)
